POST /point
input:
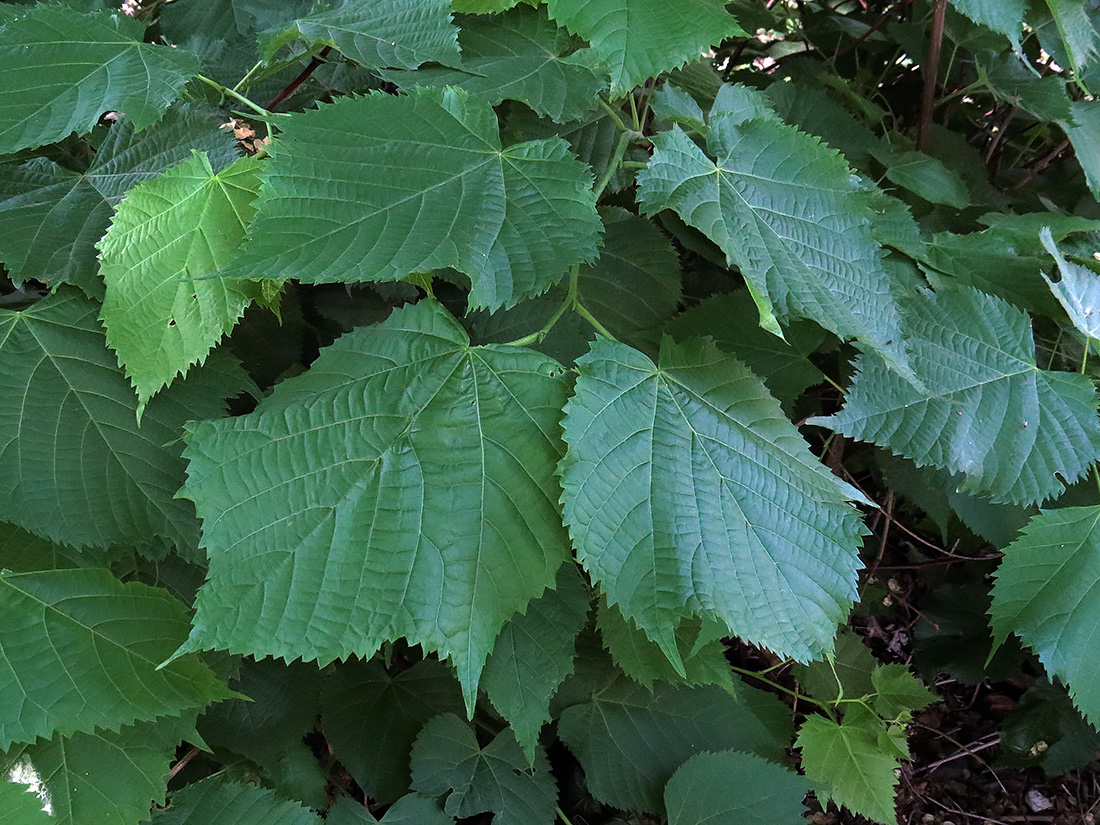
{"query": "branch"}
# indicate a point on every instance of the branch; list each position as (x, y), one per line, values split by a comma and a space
(931, 70)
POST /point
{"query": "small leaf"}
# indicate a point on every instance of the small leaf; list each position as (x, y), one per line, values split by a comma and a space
(987, 410)
(23, 799)
(734, 788)
(924, 176)
(162, 311)
(411, 809)
(63, 69)
(80, 650)
(1003, 16)
(897, 690)
(447, 760)
(850, 761)
(1078, 291)
(853, 664)
(1045, 592)
(217, 801)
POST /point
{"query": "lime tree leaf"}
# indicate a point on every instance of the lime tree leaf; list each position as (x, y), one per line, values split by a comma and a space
(1005, 16)
(51, 217)
(1078, 34)
(376, 33)
(63, 69)
(639, 39)
(749, 528)
(631, 740)
(521, 56)
(534, 654)
(79, 650)
(23, 798)
(734, 788)
(104, 776)
(987, 411)
(63, 395)
(371, 719)
(924, 176)
(1045, 593)
(404, 486)
(217, 801)
(411, 809)
(1078, 291)
(774, 202)
(897, 690)
(377, 187)
(1083, 132)
(447, 759)
(852, 763)
(161, 310)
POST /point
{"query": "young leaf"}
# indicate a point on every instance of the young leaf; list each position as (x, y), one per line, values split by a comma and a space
(161, 310)
(986, 411)
(657, 731)
(638, 39)
(63, 69)
(80, 650)
(521, 56)
(749, 528)
(377, 33)
(371, 719)
(534, 654)
(216, 801)
(63, 395)
(51, 216)
(734, 788)
(774, 202)
(852, 763)
(403, 486)
(897, 690)
(1004, 16)
(447, 759)
(1078, 291)
(1045, 593)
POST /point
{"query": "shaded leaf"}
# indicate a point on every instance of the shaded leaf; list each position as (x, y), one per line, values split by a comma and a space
(897, 690)
(1003, 16)
(749, 528)
(63, 69)
(216, 801)
(734, 788)
(1079, 35)
(411, 809)
(924, 176)
(1078, 290)
(987, 411)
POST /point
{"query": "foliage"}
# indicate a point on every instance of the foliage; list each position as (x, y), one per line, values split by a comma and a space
(434, 449)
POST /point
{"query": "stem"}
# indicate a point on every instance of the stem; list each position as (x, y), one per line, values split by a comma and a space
(561, 815)
(928, 98)
(579, 308)
(1085, 357)
(1096, 475)
(613, 164)
(634, 113)
(248, 75)
(225, 90)
(607, 107)
(293, 85)
(802, 697)
(540, 336)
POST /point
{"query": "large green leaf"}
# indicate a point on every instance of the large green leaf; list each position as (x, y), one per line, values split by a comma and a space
(411, 809)
(448, 760)
(534, 654)
(162, 311)
(216, 801)
(51, 217)
(1045, 593)
(519, 56)
(1015, 431)
(404, 486)
(631, 740)
(63, 69)
(80, 650)
(687, 492)
(74, 464)
(378, 187)
(102, 776)
(788, 211)
(1079, 35)
(377, 33)
(639, 39)
(371, 719)
(734, 788)
(1004, 16)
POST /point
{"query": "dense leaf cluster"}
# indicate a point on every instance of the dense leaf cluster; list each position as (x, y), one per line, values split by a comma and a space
(419, 452)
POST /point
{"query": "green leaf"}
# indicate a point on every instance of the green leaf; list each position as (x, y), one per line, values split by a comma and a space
(51, 216)
(378, 187)
(79, 650)
(1079, 35)
(162, 311)
(788, 212)
(63, 69)
(23, 799)
(216, 801)
(1078, 291)
(371, 719)
(1084, 133)
(1003, 16)
(851, 762)
(749, 528)
(103, 776)
(522, 56)
(630, 740)
(407, 478)
(924, 176)
(1014, 430)
(377, 33)
(63, 395)
(1045, 594)
(411, 809)
(448, 760)
(673, 104)
(534, 654)
(853, 664)
(638, 39)
(898, 690)
(734, 788)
